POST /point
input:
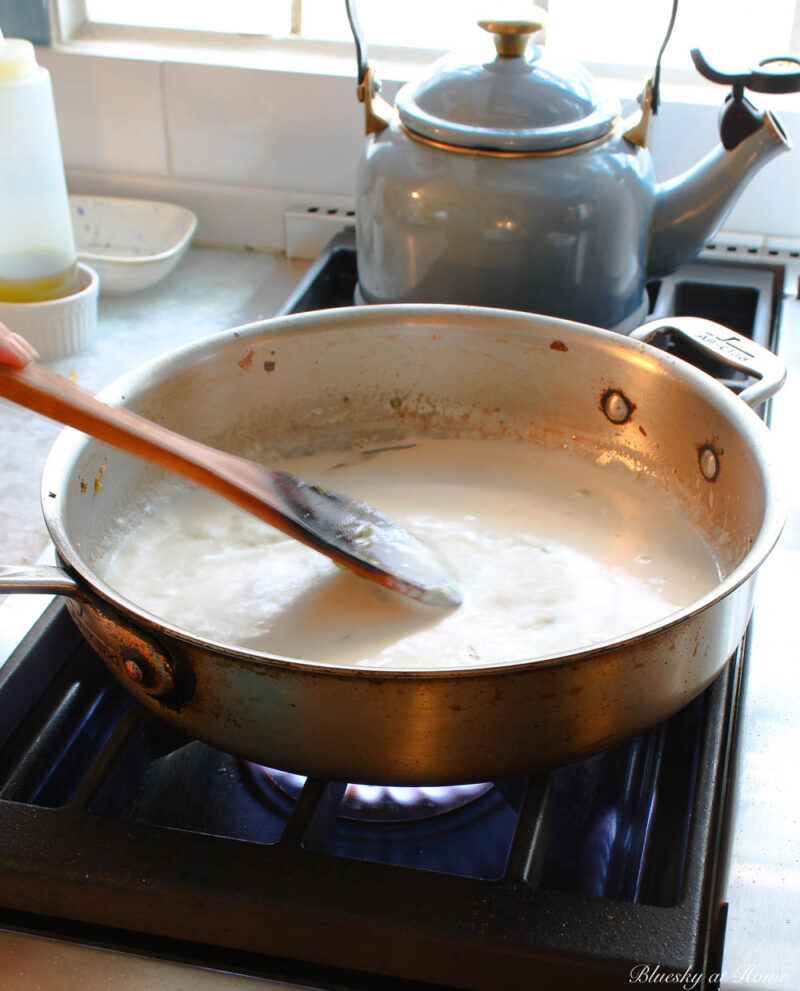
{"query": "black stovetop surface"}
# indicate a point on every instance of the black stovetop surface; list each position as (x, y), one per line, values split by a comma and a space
(115, 828)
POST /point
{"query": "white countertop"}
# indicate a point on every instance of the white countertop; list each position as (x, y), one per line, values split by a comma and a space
(763, 933)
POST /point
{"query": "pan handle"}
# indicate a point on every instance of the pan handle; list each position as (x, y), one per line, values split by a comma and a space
(38, 579)
(733, 349)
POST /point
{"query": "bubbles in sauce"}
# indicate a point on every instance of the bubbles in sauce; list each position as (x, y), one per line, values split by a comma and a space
(552, 555)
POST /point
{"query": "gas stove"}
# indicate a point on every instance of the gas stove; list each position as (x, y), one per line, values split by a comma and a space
(119, 832)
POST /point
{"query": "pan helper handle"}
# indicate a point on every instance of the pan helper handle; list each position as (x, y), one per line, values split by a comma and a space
(733, 349)
(38, 579)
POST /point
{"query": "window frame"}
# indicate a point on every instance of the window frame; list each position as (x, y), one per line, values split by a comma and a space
(73, 31)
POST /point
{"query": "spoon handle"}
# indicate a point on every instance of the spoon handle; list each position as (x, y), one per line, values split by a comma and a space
(344, 529)
(53, 396)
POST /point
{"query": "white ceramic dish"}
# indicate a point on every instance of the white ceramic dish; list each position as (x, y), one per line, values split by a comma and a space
(58, 327)
(131, 244)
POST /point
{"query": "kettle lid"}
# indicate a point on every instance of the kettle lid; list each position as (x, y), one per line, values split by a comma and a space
(522, 100)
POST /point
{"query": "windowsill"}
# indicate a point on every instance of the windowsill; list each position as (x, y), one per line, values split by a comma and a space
(244, 52)
(393, 65)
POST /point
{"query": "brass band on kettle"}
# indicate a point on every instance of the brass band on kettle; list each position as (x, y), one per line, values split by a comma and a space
(503, 153)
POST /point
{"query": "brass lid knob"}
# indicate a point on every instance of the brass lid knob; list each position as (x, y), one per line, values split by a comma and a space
(511, 36)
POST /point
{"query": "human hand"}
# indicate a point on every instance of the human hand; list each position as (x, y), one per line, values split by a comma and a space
(15, 350)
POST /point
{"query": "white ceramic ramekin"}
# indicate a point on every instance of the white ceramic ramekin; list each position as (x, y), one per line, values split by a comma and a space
(57, 327)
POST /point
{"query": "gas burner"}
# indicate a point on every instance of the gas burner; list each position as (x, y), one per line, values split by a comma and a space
(376, 803)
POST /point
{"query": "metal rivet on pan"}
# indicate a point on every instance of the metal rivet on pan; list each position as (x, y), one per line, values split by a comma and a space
(616, 406)
(148, 669)
(709, 463)
(133, 671)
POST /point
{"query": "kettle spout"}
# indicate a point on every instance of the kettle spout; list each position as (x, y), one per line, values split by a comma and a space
(691, 208)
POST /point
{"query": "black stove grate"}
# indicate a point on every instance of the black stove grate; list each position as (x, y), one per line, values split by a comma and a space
(99, 858)
(603, 813)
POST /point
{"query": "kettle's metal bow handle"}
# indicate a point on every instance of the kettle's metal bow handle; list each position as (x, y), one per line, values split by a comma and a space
(358, 36)
(733, 349)
(378, 111)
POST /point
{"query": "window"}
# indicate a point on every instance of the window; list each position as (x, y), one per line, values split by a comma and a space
(619, 32)
(267, 17)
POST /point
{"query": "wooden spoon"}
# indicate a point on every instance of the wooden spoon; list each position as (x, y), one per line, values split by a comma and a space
(348, 531)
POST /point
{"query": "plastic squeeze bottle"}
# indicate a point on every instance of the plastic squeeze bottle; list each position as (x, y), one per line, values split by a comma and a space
(37, 246)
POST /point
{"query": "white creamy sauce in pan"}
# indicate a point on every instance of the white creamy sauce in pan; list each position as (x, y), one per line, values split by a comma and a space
(551, 554)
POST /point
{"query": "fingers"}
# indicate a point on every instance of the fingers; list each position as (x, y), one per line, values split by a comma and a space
(15, 350)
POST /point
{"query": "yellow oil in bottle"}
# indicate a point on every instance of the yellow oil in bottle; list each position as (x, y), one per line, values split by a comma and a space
(22, 281)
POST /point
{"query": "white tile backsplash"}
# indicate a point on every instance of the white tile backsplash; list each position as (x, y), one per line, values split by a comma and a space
(239, 145)
(110, 112)
(262, 128)
(769, 204)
